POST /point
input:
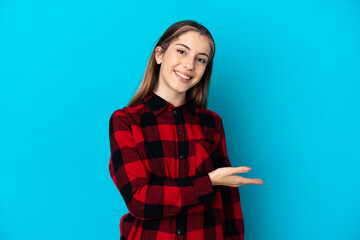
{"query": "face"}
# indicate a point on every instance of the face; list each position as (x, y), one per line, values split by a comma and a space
(183, 64)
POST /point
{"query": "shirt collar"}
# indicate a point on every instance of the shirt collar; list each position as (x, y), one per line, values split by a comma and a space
(157, 105)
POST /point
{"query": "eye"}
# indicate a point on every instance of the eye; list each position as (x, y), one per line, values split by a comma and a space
(180, 51)
(202, 60)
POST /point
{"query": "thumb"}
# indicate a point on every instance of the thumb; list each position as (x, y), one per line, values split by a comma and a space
(241, 169)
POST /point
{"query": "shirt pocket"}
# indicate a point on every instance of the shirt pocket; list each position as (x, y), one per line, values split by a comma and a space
(206, 155)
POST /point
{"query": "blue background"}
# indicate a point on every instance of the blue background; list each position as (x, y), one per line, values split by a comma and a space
(285, 81)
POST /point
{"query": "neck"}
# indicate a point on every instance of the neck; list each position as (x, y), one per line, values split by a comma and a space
(175, 99)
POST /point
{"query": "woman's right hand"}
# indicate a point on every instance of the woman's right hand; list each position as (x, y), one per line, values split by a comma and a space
(226, 176)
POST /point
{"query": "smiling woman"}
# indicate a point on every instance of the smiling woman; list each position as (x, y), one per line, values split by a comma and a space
(168, 151)
(182, 65)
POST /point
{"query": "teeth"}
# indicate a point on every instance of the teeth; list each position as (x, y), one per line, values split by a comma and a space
(183, 76)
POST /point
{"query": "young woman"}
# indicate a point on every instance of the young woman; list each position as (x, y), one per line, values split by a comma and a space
(168, 151)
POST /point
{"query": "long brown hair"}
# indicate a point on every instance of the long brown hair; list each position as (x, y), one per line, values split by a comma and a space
(198, 93)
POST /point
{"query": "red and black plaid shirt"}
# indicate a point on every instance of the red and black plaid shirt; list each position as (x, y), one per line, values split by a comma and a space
(160, 159)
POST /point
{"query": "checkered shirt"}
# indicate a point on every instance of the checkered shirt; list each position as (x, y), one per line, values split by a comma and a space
(160, 159)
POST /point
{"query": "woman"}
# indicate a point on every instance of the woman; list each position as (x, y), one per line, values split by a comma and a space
(168, 152)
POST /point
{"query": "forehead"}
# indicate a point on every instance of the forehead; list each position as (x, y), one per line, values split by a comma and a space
(195, 41)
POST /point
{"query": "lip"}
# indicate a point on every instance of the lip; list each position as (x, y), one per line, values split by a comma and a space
(183, 73)
(182, 79)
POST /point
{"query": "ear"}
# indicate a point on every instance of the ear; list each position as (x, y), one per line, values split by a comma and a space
(158, 55)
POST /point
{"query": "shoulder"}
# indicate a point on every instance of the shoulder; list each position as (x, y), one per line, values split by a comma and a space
(134, 108)
(124, 118)
(211, 113)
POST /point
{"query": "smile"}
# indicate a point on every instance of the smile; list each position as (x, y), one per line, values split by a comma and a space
(182, 75)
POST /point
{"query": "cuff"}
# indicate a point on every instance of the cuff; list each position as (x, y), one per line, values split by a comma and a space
(204, 188)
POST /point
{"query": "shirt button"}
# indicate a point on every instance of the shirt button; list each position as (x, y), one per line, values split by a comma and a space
(178, 231)
(179, 133)
(175, 112)
(181, 156)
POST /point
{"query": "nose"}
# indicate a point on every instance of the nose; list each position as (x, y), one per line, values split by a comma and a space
(189, 63)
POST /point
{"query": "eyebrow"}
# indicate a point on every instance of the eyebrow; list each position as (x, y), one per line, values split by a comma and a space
(190, 49)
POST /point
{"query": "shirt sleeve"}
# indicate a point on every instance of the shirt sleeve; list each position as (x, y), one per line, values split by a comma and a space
(147, 196)
(234, 224)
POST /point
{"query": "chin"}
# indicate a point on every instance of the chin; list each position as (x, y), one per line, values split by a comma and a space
(179, 88)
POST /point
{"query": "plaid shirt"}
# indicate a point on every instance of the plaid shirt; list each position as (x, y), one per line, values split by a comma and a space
(160, 159)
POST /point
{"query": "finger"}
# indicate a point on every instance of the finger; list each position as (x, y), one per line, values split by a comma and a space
(256, 181)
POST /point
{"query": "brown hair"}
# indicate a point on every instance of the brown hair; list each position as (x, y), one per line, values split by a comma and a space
(198, 93)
